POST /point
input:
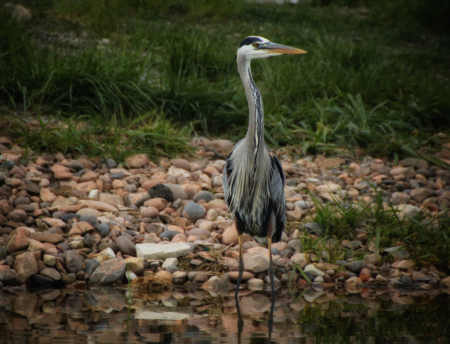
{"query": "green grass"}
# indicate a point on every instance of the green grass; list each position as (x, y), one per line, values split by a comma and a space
(426, 237)
(373, 77)
(92, 136)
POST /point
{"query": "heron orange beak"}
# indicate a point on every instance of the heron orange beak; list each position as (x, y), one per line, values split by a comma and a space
(282, 49)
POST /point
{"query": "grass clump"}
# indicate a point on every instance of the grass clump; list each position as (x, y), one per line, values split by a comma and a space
(426, 236)
(92, 136)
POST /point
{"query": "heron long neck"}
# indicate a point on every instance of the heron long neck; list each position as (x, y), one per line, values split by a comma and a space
(255, 132)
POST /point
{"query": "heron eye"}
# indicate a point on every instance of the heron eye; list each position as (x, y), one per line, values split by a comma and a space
(256, 45)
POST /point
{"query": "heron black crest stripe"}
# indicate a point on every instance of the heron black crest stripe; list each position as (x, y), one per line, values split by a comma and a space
(250, 40)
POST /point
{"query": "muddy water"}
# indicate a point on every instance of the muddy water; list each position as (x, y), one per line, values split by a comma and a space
(108, 315)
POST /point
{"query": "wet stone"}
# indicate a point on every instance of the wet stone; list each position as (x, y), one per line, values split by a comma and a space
(110, 271)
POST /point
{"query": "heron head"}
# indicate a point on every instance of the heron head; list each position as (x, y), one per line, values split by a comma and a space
(255, 47)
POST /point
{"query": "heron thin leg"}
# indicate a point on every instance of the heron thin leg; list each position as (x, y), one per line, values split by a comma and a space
(241, 268)
(271, 268)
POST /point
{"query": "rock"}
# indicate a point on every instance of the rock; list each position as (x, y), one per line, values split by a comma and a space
(170, 262)
(353, 285)
(135, 264)
(100, 206)
(246, 275)
(158, 203)
(400, 198)
(445, 282)
(17, 215)
(54, 222)
(218, 284)
(397, 252)
(113, 200)
(126, 246)
(420, 194)
(193, 211)
(161, 191)
(25, 265)
(199, 232)
(418, 163)
(51, 273)
(150, 212)
(73, 261)
(91, 219)
(47, 196)
(111, 271)
(314, 228)
(328, 187)
(206, 196)
(9, 277)
(17, 243)
(255, 304)
(230, 236)
(103, 229)
(162, 251)
(88, 240)
(403, 264)
(137, 160)
(255, 284)
(313, 270)
(332, 163)
(407, 210)
(255, 262)
(47, 237)
(91, 266)
(49, 260)
(110, 163)
(356, 266)
(300, 259)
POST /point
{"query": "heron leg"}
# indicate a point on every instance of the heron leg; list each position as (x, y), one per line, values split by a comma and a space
(241, 268)
(271, 268)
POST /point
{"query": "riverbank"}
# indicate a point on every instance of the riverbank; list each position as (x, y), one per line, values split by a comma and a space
(351, 223)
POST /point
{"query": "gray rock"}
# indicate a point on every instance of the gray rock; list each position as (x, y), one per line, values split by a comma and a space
(75, 165)
(71, 216)
(88, 240)
(103, 229)
(204, 195)
(91, 266)
(89, 218)
(126, 246)
(177, 191)
(168, 234)
(118, 175)
(161, 191)
(73, 261)
(110, 271)
(295, 245)
(398, 252)
(111, 163)
(193, 211)
(356, 266)
(314, 228)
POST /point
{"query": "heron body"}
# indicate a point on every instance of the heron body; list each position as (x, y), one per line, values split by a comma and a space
(253, 178)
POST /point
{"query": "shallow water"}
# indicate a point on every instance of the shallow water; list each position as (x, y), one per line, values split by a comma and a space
(195, 317)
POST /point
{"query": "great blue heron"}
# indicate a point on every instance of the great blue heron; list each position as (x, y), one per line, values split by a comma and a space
(252, 177)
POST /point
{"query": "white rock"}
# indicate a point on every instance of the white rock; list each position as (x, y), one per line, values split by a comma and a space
(108, 252)
(170, 302)
(94, 194)
(170, 262)
(313, 270)
(155, 251)
(130, 275)
(300, 259)
(152, 313)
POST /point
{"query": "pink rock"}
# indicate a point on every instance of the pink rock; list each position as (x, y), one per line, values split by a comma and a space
(17, 243)
(25, 265)
(47, 195)
(246, 275)
(137, 160)
(86, 186)
(54, 222)
(98, 205)
(150, 212)
(230, 236)
(158, 203)
(255, 262)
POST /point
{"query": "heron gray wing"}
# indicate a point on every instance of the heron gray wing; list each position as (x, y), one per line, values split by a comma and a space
(277, 199)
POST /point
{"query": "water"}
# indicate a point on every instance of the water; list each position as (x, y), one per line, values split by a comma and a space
(195, 317)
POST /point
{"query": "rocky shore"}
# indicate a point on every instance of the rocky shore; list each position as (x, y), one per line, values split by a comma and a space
(75, 221)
